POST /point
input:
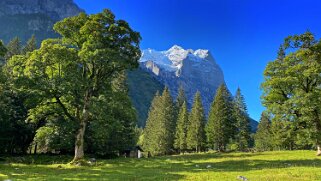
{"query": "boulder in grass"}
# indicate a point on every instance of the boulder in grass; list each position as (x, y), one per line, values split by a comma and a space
(92, 161)
(242, 178)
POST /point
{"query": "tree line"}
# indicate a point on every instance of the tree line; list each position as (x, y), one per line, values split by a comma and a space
(172, 128)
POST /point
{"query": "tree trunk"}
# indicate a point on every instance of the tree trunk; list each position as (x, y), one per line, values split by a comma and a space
(318, 142)
(79, 146)
(35, 150)
(318, 131)
(319, 150)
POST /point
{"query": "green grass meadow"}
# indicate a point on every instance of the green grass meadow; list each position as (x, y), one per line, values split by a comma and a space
(261, 166)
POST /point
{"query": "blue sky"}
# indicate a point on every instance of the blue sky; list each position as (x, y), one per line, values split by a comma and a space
(243, 35)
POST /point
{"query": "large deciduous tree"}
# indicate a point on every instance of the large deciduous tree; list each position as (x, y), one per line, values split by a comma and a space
(292, 90)
(73, 71)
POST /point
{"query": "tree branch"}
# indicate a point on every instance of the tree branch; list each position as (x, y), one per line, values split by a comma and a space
(65, 109)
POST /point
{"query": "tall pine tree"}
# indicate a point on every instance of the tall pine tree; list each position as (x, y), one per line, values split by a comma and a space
(181, 98)
(3, 51)
(195, 132)
(263, 136)
(151, 133)
(242, 119)
(13, 48)
(160, 126)
(168, 118)
(181, 129)
(30, 46)
(220, 127)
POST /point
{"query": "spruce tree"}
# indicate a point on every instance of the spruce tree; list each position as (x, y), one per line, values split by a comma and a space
(13, 48)
(152, 128)
(181, 129)
(195, 131)
(243, 127)
(181, 98)
(30, 46)
(168, 119)
(3, 49)
(263, 136)
(160, 125)
(220, 127)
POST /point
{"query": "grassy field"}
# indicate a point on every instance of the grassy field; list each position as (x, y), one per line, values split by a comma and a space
(284, 165)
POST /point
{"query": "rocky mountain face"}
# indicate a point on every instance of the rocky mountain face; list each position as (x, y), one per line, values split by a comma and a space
(192, 70)
(23, 18)
(55, 9)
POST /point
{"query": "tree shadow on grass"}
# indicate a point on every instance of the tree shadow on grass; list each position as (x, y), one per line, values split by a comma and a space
(247, 165)
(118, 172)
(193, 157)
(38, 159)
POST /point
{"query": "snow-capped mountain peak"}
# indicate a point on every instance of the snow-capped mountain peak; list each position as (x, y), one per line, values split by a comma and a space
(173, 59)
(176, 54)
(201, 53)
(179, 67)
(175, 48)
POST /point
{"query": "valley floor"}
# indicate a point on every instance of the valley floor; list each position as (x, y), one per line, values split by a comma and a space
(283, 165)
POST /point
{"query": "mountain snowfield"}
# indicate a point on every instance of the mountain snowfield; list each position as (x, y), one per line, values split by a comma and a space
(193, 70)
(172, 60)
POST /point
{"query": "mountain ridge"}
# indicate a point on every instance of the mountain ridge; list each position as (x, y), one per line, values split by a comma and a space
(23, 18)
(56, 9)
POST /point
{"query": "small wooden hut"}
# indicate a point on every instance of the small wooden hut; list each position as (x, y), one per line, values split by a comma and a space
(133, 152)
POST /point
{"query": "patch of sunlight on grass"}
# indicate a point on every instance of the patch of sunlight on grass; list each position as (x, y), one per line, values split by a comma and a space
(17, 174)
